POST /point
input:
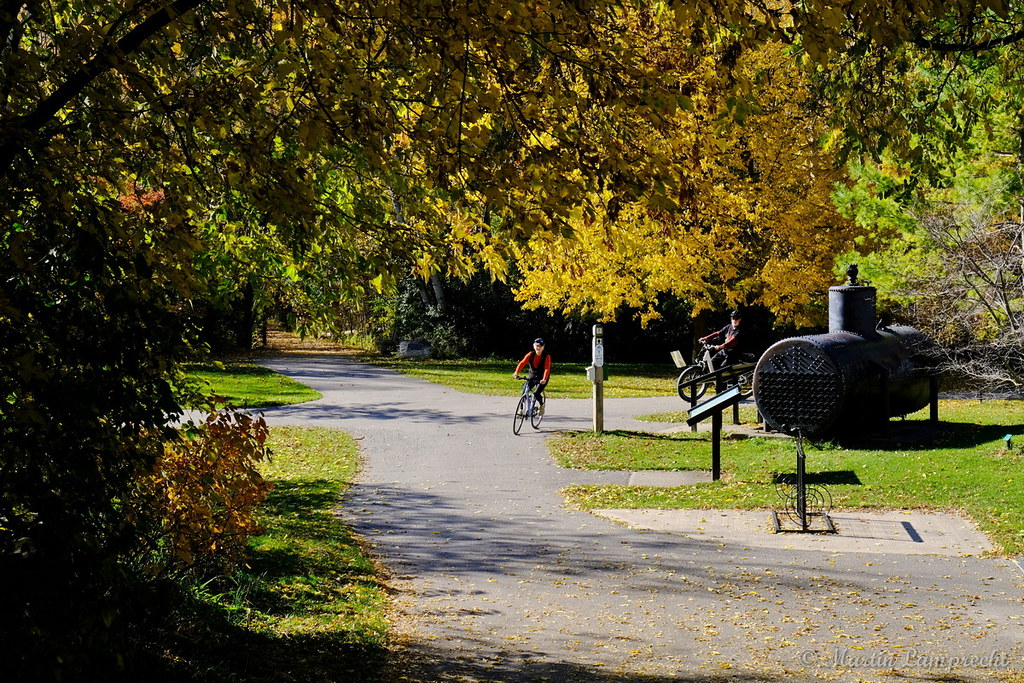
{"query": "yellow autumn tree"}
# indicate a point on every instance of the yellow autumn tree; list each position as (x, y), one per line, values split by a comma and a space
(753, 221)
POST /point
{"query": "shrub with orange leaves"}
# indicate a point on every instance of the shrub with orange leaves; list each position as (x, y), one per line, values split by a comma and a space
(204, 490)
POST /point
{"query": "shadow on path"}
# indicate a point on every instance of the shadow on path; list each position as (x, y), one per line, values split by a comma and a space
(423, 662)
(324, 412)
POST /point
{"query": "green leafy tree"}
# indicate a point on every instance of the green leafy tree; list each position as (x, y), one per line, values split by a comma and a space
(944, 243)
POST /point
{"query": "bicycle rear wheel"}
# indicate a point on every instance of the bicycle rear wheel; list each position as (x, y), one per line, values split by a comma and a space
(537, 414)
(520, 416)
(746, 382)
(691, 394)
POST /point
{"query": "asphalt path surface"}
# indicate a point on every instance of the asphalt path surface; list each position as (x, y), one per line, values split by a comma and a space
(499, 581)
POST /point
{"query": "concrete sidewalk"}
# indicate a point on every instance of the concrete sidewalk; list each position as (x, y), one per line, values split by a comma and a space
(892, 533)
(498, 581)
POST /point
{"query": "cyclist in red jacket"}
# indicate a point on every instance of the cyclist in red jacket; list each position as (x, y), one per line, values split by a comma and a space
(538, 362)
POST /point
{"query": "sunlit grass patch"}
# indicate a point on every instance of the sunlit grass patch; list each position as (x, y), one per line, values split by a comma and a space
(568, 380)
(312, 573)
(248, 385)
(748, 415)
(619, 450)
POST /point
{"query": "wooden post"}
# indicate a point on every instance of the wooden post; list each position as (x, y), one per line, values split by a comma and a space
(693, 402)
(933, 397)
(716, 445)
(598, 360)
(885, 402)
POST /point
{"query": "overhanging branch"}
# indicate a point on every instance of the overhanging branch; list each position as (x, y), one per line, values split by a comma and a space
(9, 10)
(27, 126)
(941, 46)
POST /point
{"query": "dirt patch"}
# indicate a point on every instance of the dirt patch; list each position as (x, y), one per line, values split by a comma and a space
(281, 342)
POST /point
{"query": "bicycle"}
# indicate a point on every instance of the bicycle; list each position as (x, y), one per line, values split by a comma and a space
(702, 366)
(705, 365)
(528, 406)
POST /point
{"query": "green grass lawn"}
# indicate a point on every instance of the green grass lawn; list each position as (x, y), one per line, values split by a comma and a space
(310, 574)
(309, 605)
(568, 380)
(247, 385)
(748, 415)
(966, 468)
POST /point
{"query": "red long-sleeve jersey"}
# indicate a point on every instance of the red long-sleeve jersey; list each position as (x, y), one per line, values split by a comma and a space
(535, 363)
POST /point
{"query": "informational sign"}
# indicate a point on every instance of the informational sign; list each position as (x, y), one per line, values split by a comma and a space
(598, 346)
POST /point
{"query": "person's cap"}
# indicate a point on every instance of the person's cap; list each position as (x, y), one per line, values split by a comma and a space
(735, 314)
(538, 340)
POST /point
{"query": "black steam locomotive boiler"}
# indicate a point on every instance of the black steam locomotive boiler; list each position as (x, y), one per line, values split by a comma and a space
(855, 377)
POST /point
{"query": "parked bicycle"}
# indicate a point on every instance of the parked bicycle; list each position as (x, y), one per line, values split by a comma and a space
(528, 407)
(705, 365)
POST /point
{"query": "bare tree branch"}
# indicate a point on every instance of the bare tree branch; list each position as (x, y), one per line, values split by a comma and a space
(974, 302)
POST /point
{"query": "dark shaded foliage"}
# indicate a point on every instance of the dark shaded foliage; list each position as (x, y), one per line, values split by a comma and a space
(88, 340)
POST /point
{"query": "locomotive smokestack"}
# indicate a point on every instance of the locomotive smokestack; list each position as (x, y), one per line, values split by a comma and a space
(851, 307)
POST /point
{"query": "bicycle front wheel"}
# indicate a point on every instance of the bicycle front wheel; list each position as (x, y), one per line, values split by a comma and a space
(693, 392)
(520, 416)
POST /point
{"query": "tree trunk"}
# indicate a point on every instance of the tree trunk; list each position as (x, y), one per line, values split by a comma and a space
(438, 284)
(424, 294)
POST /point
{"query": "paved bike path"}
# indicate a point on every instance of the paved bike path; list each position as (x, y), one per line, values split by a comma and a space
(502, 583)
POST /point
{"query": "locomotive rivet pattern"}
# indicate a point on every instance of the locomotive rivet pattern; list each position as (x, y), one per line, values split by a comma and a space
(846, 379)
